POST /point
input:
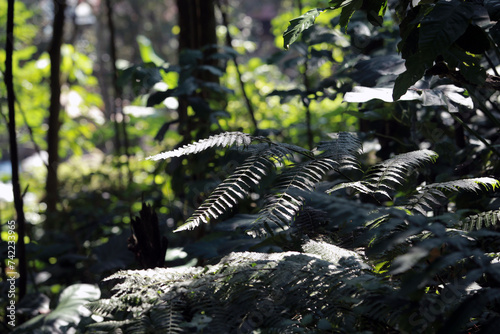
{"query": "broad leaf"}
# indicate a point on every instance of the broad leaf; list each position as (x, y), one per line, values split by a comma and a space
(375, 10)
(416, 65)
(348, 10)
(68, 312)
(443, 26)
(298, 25)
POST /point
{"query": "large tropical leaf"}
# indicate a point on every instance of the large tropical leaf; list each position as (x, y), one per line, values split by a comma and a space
(438, 30)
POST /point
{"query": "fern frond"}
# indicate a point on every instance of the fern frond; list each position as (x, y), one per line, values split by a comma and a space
(480, 220)
(110, 325)
(167, 317)
(344, 148)
(279, 211)
(358, 185)
(466, 184)
(335, 254)
(283, 207)
(427, 196)
(222, 140)
(425, 200)
(386, 175)
(230, 191)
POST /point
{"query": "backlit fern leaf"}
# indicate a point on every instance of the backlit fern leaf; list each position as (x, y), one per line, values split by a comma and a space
(283, 207)
(223, 140)
(344, 148)
(480, 220)
(339, 153)
(428, 195)
(388, 174)
(360, 186)
(230, 191)
(467, 184)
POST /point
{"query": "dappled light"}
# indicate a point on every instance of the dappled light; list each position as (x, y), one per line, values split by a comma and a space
(229, 166)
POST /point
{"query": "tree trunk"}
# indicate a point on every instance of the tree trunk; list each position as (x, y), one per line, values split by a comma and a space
(51, 187)
(18, 199)
(197, 29)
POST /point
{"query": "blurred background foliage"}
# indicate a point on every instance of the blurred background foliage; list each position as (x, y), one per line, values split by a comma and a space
(164, 97)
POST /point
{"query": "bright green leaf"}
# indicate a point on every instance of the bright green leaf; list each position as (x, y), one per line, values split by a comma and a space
(298, 25)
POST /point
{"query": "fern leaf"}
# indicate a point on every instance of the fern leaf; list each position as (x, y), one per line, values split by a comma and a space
(386, 175)
(232, 189)
(382, 177)
(424, 200)
(335, 254)
(358, 185)
(478, 221)
(427, 196)
(344, 148)
(110, 325)
(466, 184)
(222, 140)
(282, 208)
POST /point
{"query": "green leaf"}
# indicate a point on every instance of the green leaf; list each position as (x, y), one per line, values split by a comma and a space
(148, 55)
(158, 97)
(416, 65)
(438, 30)
(69, 310)
(341, 3)
(298, 25)
(347, 12)
(375, 11)
(443, 26)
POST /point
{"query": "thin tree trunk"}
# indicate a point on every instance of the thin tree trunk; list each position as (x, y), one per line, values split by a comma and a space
(121, 136)
(18, 199)
(54, 108)
(197, 29)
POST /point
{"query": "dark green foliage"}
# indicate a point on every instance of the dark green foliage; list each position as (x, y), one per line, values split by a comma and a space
(430, 33)
(391, 228)
(482, 220)
(393, 269)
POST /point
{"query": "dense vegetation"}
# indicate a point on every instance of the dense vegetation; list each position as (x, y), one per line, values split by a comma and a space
(334, 169)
